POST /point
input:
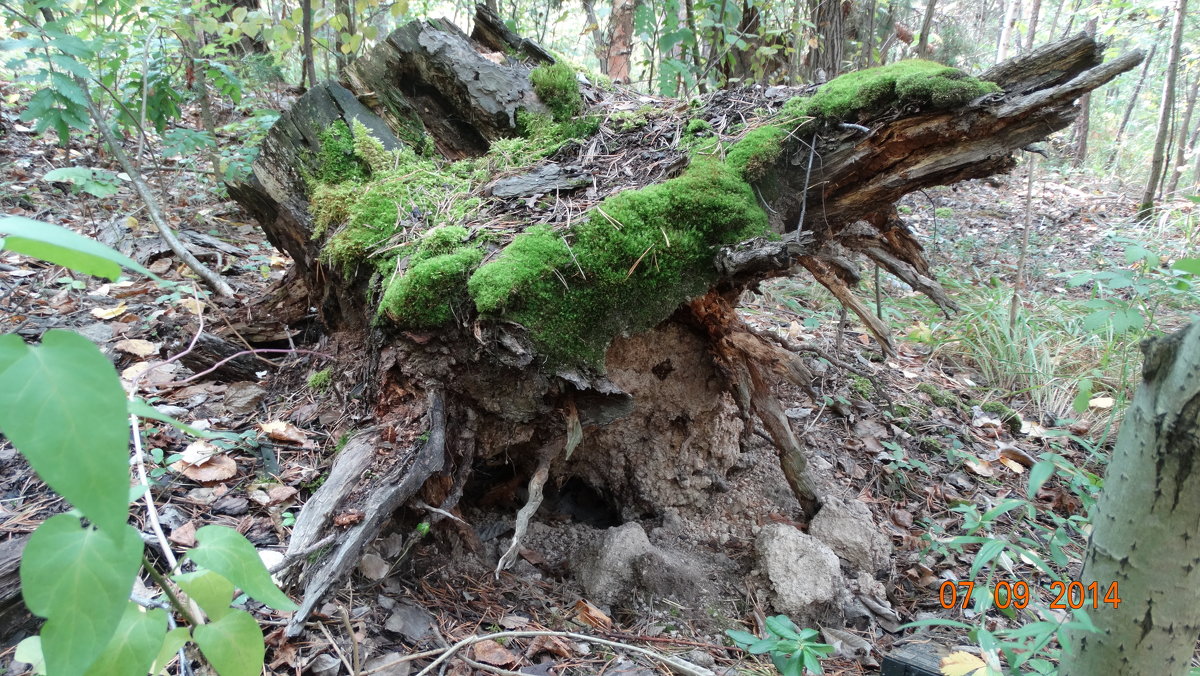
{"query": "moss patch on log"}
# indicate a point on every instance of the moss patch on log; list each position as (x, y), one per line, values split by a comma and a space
(556, 86)
(434, 287)
(638, 256)
(864, 93)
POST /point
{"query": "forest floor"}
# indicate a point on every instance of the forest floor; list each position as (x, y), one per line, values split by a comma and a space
(947, 457)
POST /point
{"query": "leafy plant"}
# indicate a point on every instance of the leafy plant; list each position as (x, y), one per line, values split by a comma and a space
(63, 407)
(793, 651)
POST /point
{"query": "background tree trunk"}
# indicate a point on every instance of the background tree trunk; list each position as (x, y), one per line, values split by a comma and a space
(1146, 537)
(830, 28)
(1083, 126)
(1137, 89)
(1010, 18)
(1176, 169)
(1166, 110)
(926, 26)
(306, 45)
(1034, 14)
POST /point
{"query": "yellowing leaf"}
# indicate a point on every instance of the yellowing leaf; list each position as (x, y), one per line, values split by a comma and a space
(961, 664)
(109, 313)
(137, 347)
(192, 305)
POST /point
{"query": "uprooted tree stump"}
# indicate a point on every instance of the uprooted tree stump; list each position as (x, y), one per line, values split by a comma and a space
(536, 271)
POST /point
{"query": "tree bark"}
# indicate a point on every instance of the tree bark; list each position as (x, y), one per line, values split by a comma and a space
(1166, 110)
(1176, 168)
(701, 376)
(926, 26)
(1010, 17)
(1083, 127)
(1034, 14)
(1137, 90)
(309, 66)
(830, 28)
(1146, 537)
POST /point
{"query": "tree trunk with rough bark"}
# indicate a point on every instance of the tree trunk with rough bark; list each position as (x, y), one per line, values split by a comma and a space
(1146, 540)
(656, 419)
(1166, 111)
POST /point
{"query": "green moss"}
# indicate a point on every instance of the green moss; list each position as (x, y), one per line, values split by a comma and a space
(943, 212)
(532, 256)
(757, 151)
(862, 387)
(1010, 418)
(697, 126)
(406, 191)
(628, 120)
(320, 379)
(371, 151)
(871, 91)
(429, 293)
(636, 258)
(556, 86)
(939, 396)
(336, 161)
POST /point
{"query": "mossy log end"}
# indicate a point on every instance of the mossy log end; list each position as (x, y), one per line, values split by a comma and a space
(506, 262)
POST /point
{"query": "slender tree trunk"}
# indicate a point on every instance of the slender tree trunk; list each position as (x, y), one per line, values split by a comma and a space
(306, 45)
(1137, 90)
(1071, 19)
(599, 40)
(1146, 537)
(1176, 169)
(926, 26)
(869, 47)
(1146, 207)
(1034, 13)
(1010, 17)
(689, 9)
(191, 49)
(1054, 21)
(797, 43)
(831, 38)
(1083, 126)
(620, 43)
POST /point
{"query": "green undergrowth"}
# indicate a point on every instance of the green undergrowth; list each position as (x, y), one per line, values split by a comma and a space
(555, 84)
(864, 93)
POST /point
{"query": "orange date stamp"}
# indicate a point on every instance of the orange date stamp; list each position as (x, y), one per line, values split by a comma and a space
(1067, 595)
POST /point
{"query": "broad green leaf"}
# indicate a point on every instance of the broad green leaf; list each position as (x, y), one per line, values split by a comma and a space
(29, 651)
(225, 551)
(80, 579)
(783, 627)
(1038, 476)
(987, 552)
(64, 247)
(173, 641)
(1189, 265)
(135, 645)
(63, 407)
(232, 644)
(742, 638)
(211, 591)
(93, 182)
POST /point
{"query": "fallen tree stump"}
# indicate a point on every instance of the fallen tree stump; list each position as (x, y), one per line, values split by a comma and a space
(561, 298)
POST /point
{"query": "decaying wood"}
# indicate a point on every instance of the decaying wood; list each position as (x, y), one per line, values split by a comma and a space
(831, 196)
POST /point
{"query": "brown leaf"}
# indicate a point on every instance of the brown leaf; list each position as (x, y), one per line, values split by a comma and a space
(491, 652)
(185, 535)
(217, 468)
(902, 518)
(137, 347)
(548, 644)
(980, 467)
(1016, 454)
(109, 313)
(591, 615)
(280, 430)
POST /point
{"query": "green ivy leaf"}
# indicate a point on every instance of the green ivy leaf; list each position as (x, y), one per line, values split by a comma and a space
(64, 247)
(94, 182)
(1039, 474)
(1189, 265)
(63, 407)
(211, 591)
(29, 651)
(79, 579)
(135, 645)
(225, 551)
(232, 644)
(172, 642)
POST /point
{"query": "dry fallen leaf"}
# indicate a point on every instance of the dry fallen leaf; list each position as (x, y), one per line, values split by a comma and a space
(961, 664)
(280, 430)
(109, 313)
(491, 652)
(1015, 466)
(184, 536)
(192, 305)
(137, 347)
(980, 467)
(199, 452)
(1102, 403)
(591, 615)
(217, 468)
